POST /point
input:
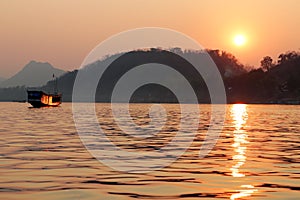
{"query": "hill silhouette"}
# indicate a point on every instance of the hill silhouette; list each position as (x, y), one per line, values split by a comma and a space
(34, 74)
(2, 79)
(227, 65)
(278, 83)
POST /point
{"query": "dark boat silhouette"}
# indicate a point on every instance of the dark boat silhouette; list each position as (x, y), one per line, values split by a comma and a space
(39, 98)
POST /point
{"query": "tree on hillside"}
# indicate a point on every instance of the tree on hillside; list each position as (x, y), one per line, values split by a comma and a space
(266, 63)
(227, 63)
(289, 56)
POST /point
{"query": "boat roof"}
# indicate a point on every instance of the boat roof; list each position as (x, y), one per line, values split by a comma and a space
(43, 92)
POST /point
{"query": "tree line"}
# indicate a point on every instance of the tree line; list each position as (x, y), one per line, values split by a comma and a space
(275, 81)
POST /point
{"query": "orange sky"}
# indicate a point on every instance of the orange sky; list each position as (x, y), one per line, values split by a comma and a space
(63, 32)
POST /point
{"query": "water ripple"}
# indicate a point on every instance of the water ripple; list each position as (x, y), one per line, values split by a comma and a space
(257, 156)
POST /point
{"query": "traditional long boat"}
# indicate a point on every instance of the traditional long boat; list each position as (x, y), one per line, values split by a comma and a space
(39, 98)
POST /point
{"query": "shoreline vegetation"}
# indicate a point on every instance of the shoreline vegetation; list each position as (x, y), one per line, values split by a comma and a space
(274, 82)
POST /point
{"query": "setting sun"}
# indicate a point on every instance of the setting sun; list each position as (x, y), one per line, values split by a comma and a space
(239, 40)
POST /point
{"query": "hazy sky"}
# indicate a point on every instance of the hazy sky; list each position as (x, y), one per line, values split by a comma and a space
(63, 32)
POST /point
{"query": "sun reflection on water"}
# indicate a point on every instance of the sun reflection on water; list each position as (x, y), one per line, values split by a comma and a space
(247, 191)
(239, 115)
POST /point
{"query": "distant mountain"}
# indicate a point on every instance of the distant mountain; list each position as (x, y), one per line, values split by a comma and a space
(2, 79)
(34, 74)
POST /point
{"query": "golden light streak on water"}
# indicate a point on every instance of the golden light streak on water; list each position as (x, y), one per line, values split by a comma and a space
(239, 115)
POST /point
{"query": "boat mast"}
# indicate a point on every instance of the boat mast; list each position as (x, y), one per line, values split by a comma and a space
(55, 84)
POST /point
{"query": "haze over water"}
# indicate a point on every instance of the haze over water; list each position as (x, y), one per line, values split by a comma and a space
(256, 157)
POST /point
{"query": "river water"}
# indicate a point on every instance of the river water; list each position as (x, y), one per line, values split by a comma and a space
(257, 156)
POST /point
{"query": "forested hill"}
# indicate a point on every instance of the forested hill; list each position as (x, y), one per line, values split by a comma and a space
(227, 64)
(273, 82)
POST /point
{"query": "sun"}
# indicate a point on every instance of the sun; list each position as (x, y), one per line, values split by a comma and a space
(239, 40)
